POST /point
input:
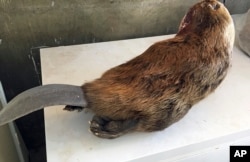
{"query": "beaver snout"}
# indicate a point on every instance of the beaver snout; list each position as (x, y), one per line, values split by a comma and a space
(213, 4)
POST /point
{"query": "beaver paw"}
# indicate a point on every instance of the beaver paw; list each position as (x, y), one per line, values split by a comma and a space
(105, 128)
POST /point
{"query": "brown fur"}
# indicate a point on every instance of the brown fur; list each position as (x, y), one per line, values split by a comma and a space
(158, 87)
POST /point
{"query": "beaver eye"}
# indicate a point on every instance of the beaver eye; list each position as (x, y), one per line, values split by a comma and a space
(214, 6)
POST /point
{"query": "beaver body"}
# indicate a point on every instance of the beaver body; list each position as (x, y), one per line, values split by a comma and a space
(158, 87)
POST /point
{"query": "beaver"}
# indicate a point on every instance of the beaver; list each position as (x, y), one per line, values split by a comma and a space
(158, 87)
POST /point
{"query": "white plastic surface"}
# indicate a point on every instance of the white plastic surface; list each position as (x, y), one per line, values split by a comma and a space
(223, 113)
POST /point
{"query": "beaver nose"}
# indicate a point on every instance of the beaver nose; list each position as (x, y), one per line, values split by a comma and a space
(214, 6)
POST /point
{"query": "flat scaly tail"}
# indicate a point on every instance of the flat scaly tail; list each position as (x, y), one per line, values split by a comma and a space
(42, 96)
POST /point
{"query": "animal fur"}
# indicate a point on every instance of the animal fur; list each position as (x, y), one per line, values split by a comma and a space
(158, 87)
